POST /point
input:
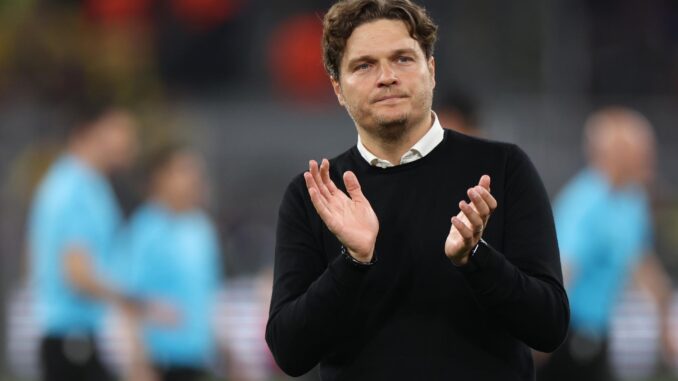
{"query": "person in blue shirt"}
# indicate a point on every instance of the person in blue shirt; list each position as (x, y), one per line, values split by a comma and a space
(174, 259)
(72, 229)
(604, 228)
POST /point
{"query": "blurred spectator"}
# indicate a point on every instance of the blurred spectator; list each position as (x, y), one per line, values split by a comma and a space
(458, 111)
(174, 260)
(72, 228)
(605, 234)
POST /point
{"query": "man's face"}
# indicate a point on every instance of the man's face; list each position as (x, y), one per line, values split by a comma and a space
(637, 157)
(386, 83)
(117, 139)
(183, 181)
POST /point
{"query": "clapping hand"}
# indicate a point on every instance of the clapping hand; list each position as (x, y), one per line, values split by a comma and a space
(349, 217)
(467, 226)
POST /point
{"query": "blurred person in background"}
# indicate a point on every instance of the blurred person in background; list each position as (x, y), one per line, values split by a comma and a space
(72, 230)
(605, 233)
(380, 270)
(458, 111)
(174, 260)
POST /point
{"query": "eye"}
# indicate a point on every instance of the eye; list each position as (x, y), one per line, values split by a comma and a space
(404, 59)
(362, 66)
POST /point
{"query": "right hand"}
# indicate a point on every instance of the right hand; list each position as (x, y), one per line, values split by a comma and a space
(350, 219)
(467, 226)
(157, 312)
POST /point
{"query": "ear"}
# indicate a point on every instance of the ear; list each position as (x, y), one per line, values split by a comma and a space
(336, 86)
(432, 70)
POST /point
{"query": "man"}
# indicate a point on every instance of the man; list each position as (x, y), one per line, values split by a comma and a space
(71, 233)
(173, 259)
(385, 277)
(605, 231)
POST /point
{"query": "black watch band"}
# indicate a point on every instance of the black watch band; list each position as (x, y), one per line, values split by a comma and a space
(356, 263)
(476, 259)
(480, 243)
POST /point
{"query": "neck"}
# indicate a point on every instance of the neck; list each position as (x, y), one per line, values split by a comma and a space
(613, 176)
(88, 156)
(169, 202)
(394, 150)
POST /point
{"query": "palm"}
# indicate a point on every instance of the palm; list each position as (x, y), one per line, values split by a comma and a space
(454, 244)
(353, 222)
(351, 219)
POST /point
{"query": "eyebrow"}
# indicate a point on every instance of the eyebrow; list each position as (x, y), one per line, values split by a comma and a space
(369, 58)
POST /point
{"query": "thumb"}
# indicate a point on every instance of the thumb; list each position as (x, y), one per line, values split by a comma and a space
(352, 185)
(485, 182)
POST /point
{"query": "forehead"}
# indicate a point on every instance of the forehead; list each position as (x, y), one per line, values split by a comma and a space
(117, 123)
(186, 160)
(377, 38)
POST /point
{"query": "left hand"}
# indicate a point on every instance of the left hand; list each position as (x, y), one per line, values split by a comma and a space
(159, 312)
(467, 226)
(163, 313)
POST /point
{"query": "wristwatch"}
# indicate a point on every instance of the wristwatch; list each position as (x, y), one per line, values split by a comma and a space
(356, 263)
(475, 260)
(481, 242)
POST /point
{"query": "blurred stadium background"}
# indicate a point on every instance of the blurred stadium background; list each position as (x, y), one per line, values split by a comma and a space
(242, 81)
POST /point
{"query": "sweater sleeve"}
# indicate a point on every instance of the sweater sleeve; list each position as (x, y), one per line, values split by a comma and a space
(522, 287)
(311, 299)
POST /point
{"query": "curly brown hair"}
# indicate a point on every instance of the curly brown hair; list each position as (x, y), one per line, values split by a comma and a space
(346, 15)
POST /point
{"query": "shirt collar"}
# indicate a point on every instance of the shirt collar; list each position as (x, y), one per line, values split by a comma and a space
(423, 147)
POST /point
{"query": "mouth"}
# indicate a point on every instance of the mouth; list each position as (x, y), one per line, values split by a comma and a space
(389, 99)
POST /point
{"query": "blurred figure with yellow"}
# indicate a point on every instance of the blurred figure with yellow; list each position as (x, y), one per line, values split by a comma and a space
(604, 227)
(174, 260)
(72, 230)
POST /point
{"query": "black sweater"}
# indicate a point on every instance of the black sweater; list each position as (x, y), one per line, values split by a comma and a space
(413, 315)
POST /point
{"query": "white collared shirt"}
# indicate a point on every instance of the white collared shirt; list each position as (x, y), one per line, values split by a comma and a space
(423, 147)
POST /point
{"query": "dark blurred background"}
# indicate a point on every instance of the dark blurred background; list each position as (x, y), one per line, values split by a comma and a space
(242, 80)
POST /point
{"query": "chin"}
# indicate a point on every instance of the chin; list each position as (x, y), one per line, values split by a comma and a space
(393, 128)
(391, 119)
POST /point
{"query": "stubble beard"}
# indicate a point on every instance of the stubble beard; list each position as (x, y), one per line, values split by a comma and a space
(391, 130)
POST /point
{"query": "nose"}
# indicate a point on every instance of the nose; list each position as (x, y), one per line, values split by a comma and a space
(387, 76)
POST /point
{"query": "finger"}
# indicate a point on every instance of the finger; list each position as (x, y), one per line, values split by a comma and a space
(308, 177)
(325, 175)
(478, 202)
(476, 223)
(353, 186)
(489, 199)
(463, 217)
(485, 182)
(320, 206)
(324, 213)
(312, 186)
(310, 182)
(464, 231)
(315, 172)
